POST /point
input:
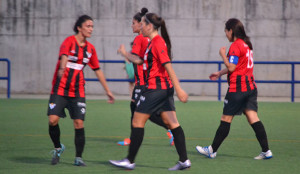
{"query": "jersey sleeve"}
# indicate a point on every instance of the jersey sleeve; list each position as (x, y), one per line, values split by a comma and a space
(94, 62)
(234, 54)
(65, 47)
(161, 50)
(137, 46)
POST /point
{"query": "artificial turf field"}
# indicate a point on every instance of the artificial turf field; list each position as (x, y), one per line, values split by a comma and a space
(25, 143)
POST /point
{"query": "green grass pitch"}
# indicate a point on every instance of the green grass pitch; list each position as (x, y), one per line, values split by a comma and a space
(25, 143)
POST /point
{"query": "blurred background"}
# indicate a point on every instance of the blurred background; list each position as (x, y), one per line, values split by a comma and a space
(31, 32)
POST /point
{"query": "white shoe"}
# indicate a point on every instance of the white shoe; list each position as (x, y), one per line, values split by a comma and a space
(206, 151)
(264, 155)
(124, 163)
(182, 165)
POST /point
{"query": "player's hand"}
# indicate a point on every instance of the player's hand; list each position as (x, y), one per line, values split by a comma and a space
(182, 95)
(122, 50)
(60, 72)
(222, 52)
(214, 76)
(111, 98)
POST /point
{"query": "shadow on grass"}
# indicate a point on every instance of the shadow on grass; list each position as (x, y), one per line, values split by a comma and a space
(195, 153)
(103, 139)
(107, 163)
(31, 160)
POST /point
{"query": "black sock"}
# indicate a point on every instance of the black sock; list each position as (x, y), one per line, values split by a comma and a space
(79, 141)
(221, 134)
(54, 133)
(261, 135)
(132, 109)
(179, 141)
(136, 138)
(155, 118)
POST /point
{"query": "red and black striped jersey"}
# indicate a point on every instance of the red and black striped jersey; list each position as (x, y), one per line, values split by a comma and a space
(72, 82)
(156, 56)
(139, 47)
(241, 79)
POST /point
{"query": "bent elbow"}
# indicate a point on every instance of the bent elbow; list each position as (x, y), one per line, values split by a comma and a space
(231, 69)
(139, 62)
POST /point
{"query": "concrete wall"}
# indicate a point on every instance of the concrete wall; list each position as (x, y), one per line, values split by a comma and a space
(31, 32)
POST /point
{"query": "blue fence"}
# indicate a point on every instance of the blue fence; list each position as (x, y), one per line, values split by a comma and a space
(292, 82)
(220, 81)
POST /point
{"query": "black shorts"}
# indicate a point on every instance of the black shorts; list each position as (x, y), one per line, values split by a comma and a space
(154, 100)
(137, 91)
(235, 103)
(75, 105)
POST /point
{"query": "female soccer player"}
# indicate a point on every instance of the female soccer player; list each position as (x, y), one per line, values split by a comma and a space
(68, 86)
(241, 96)
(158, 95)
(139, 46)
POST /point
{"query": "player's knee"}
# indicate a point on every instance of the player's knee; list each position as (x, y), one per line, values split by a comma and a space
(53, 122)
(137, 124)
(78, 124)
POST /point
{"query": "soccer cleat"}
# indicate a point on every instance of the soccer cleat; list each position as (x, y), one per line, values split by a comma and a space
(264, 155)
(124, 163)
(182, 165)
(56, 153)
(126, 142)
(206, 151)
(79, 162)
(171, 138)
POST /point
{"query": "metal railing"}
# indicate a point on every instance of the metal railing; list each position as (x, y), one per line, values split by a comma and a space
(8, 76)
(292, 82)
(220, 81)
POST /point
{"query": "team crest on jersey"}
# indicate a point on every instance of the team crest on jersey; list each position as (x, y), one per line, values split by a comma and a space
(52, 105)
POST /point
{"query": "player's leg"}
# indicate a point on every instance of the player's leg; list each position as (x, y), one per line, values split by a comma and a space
(136, 137)
(260, 134)
(135, 95)
(233, 105)
(77, 109)
(55, 111)
(258, 127)
(156, 119)
(79, 141)
(222, 131)
(169, 117)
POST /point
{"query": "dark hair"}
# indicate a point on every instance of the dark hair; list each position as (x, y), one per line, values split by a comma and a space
(159, 22)
(238, 30)
(79, 22)
(138, 16)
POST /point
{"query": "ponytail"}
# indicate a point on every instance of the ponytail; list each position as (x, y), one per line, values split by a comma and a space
(248, 42)
(165, 35)
(159, 22)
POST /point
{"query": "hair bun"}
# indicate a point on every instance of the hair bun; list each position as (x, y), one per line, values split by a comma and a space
(144, 11)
